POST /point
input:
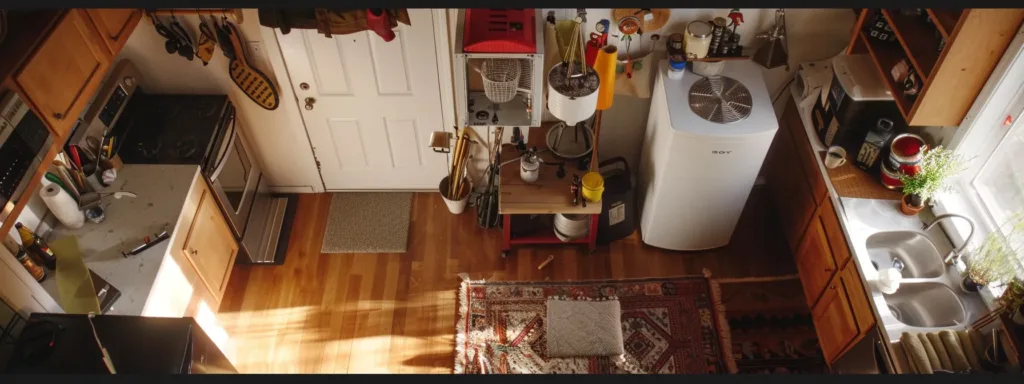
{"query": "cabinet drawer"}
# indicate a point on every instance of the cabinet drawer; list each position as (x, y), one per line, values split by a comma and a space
(64, 73)
(114, 26)
(834, 321)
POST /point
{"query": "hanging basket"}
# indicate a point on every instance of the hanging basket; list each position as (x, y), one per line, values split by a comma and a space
(501, 79)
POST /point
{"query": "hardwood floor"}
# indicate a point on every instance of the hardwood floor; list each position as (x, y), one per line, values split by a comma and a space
(362, 313)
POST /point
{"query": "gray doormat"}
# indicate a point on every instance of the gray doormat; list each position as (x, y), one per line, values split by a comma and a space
(368, 222)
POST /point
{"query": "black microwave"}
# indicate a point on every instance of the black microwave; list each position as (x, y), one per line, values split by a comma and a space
(24, 142)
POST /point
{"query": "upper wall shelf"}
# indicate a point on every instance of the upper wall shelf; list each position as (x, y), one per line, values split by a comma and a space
(951, 78)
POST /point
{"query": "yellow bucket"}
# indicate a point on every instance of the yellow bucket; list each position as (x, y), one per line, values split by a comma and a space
(593, 186)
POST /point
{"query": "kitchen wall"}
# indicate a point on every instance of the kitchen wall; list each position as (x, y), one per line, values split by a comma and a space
(813, 34)
(278, 136)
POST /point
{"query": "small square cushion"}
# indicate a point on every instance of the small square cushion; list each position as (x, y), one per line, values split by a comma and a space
(584, 328)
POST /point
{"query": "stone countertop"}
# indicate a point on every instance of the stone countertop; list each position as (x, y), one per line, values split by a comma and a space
(161, 191)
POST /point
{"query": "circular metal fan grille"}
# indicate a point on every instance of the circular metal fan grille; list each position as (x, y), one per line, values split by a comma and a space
(720, 99)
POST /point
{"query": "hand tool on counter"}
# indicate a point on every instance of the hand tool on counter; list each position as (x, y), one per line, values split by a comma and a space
(147, 244)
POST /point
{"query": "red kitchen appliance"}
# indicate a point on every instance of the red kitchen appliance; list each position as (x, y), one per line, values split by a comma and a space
(489, 30)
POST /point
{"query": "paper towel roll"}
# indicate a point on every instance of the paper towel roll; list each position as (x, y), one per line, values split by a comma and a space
(605, 67)
(63, 206)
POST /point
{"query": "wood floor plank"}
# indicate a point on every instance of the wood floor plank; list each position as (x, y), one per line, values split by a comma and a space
(339, 313)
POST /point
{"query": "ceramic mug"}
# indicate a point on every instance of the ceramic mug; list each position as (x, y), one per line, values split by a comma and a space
(835, 157)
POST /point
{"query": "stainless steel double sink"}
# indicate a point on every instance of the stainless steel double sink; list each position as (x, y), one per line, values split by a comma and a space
(929, 297)
(929, 294)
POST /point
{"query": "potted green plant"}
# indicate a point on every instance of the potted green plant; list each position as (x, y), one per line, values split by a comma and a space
(993, 261)
(937, 166)
(1012, 300)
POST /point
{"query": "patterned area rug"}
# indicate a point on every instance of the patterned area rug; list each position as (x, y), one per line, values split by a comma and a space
(669, 325)
(770, 325)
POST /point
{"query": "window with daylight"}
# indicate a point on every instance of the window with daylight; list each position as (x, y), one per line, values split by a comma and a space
(993, 140)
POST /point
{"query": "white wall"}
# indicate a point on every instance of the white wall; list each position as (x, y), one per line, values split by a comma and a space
(814, 34)
(279, 136)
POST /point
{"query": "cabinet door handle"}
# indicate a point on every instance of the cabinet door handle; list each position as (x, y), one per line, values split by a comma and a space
(194, 252)
(58, 116)
(832, 287)
(829, 270)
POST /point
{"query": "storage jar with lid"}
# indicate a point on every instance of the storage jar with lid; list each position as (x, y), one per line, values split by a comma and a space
(698, 39)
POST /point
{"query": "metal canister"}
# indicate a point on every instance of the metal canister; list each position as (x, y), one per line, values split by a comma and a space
(698, 39)
(717, 30)
(675, 47)
(734, 44)
(906, 153)
(890, 178)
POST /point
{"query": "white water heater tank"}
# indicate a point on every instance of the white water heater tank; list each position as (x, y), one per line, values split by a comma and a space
(705, 141)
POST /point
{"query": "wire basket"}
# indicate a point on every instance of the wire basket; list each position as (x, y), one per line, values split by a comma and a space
(501, 79)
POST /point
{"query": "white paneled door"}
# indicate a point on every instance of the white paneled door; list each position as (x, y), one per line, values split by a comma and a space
(369, 106)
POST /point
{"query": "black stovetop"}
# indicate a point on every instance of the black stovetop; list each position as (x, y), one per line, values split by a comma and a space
(169, 129)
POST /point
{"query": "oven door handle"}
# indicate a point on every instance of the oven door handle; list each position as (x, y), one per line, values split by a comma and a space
(222, 159)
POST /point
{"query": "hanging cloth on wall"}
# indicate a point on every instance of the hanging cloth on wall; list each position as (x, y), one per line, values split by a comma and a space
(381, 21)
(251, 81)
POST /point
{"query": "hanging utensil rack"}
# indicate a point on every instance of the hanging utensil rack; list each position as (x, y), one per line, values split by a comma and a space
(234, 13)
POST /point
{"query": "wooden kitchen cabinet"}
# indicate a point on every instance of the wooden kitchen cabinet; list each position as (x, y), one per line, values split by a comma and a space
(114, 26)
(950, 78)
(65, 71)
(211, 246)
(814, 261)
(203, 243)
(796, 185)
(834, 320)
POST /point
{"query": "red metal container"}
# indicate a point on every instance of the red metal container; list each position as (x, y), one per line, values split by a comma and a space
(906, 152)
(500, 31)
(890, 178)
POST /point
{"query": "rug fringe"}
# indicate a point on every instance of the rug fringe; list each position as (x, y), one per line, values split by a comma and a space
(724, 333)
(460, 325)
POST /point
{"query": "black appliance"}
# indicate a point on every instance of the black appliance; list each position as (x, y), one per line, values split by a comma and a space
(63, 343)
(618, 202)
(169, 129)
(24, 141)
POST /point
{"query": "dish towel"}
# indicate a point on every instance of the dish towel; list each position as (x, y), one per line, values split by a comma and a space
(933, 359)
(956, 353)
(969, 351)
(917, 354)
(940, 350)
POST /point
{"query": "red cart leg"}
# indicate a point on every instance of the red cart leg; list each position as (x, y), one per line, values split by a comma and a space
(592, 238)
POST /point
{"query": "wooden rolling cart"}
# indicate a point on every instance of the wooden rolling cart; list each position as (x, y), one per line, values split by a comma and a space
(547, 196)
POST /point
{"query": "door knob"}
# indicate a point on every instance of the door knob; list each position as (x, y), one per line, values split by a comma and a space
(309, 103)
(304, 86)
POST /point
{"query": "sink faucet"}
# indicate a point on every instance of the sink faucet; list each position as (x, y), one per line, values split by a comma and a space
(957, 252)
